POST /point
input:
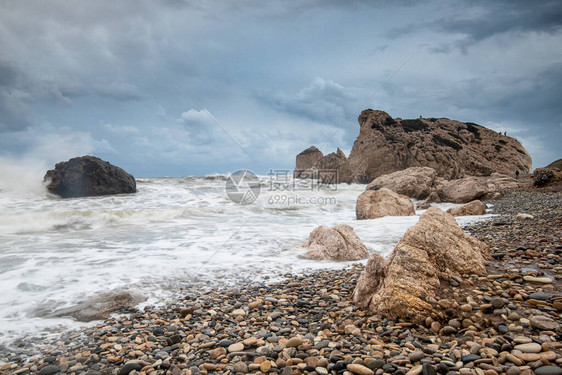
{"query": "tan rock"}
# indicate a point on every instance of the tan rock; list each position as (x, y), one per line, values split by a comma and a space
(337, 243)
(414, 182)
(307, 159)
(473, 208)
(463, 190)
(383, 202)
(434, 249)
(336, 161)
(454, 149)
(359, 369)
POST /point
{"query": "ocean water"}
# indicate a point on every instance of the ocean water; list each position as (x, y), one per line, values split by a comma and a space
(173, 234)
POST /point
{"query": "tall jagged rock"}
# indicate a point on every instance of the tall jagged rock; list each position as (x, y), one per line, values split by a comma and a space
(453, 148)
(308, 158)
(312, 160)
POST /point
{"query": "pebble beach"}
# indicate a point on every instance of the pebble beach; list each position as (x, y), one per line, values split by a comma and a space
(505, 322)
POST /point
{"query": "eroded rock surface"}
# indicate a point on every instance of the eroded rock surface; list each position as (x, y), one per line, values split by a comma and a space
(336, 243)
(372, 204)
(434, 249)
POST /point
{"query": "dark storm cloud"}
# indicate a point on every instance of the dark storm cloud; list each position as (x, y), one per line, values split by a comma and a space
(278, 75)
(14, 110)
(480, 20)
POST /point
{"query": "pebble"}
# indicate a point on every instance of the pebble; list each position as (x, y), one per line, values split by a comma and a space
(360, 369)
(294, 342)
(49, 370)
(236, 347)
(529, 348)
(548, 370)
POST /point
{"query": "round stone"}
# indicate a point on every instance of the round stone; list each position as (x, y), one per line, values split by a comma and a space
(294, 342)
(539, 296)
(359, 369)
(236, 347)
(52, 369)
(548, 370)
(531, 347)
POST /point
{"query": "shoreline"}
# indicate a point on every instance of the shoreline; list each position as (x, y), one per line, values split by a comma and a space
(306, 325)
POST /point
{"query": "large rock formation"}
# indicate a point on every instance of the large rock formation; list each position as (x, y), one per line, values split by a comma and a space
(337, 243)
(88, 176)
(434, 249)
(473, 208)
(453, 148)
(312, 163)
(307, 159)
(383, 202)
(414, 182)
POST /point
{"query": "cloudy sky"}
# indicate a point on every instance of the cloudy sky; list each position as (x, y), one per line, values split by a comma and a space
(182, 87)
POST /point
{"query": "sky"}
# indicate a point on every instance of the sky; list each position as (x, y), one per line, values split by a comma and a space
(180, 87)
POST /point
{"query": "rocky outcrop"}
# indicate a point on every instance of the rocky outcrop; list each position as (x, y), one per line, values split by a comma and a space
(454, 149)
(415, 182)
(473, 208)
(434, 249)
(88, 176)
(336, 161)
(383, 202)
(312, 163)
(307, 159)
(337, 243)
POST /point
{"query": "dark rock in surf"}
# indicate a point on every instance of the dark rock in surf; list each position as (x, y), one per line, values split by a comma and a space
(88, 176)
(100, 307)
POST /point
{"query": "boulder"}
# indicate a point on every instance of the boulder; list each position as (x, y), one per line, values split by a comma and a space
(473, 208)
(383, 202)
(88, 176)
(307, 159)
(434, 249)
(337, 243)
(452, 148)
(100, 307)
(463, 190)
(414, 182)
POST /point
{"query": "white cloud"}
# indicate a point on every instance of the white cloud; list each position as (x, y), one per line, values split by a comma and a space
(122, 129)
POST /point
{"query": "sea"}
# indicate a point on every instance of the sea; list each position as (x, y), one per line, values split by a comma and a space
(174, 235)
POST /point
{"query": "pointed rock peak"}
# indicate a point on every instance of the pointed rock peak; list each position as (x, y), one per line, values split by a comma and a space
(310, 150)
(341, 154)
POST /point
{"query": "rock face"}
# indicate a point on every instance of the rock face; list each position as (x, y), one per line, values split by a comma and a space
(88, 176)
(473, 208)
(336, 161)
(312, 160)
(307, 159)
(453, 148)
(337, 243)
(434, 249)
(414, 182)
(383, 202)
